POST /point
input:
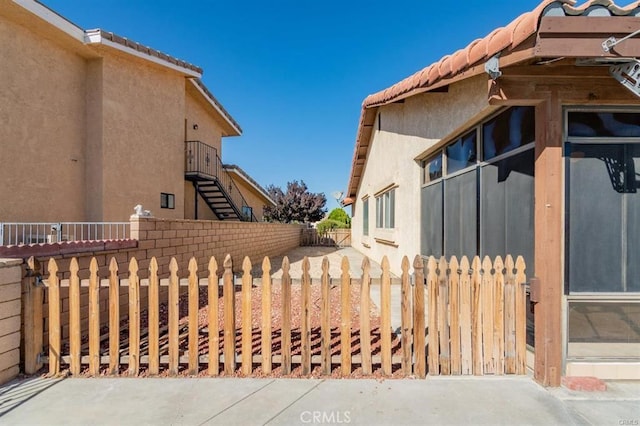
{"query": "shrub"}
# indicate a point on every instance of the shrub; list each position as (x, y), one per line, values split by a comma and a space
(329, 224)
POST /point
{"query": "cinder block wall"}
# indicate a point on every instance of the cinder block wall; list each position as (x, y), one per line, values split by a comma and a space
(10, 308)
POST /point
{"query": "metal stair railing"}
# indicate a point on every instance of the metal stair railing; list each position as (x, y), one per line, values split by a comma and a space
(231, 190)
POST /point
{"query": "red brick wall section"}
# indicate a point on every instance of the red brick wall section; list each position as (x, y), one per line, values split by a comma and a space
(10, 307)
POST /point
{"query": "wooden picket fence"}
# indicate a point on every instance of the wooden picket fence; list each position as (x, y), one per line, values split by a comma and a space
(458, 318)
(331, 238)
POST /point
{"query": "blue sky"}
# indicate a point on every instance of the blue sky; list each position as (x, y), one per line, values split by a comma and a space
(294, 73)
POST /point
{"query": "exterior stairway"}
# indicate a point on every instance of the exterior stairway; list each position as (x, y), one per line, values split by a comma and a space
(216, 187)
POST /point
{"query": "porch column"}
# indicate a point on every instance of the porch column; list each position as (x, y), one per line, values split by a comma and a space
(549, 232)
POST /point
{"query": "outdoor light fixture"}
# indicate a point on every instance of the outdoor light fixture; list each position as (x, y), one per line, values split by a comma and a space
(195, 127)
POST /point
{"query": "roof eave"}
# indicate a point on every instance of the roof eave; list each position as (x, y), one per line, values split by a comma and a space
(233, 128)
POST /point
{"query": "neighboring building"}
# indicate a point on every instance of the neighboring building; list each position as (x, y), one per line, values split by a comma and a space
(522, 143)
(94, 124)
(257, 198)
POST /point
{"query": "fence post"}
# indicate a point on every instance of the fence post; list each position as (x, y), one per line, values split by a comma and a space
(33, 332)
(1, 233)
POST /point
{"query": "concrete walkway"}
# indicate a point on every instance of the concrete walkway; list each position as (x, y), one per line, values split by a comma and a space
(192, 401)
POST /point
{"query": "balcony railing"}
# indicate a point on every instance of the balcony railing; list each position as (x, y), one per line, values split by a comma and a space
(200, 160)
(202, 163)
(15, 233)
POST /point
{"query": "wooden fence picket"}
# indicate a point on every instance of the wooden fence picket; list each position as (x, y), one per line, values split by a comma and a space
(405, 318)
(229, 300)
(443, 323)
(434, 351)
(174, 293)
(466, 361)
(247, 336)
(385, 313)
(266, 316)
(285, 338)
(487, 317)
(94, 319)
(419, 330)
(213, 294)
(305, 335)
(476, 316)
(345, 319)
(510, 316)
(325, 324)
(454, 312)
(114, 317)
(75, 333)
(194, 331)
(365, 321)
(498, 316)
(154, 318)
(521, 317)
(134, 318)
(54, 319)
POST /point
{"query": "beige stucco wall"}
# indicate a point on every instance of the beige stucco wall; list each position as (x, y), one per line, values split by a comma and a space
(143, 137)
(251, 196)
(405, 131)
(200, 113)
(42, 110)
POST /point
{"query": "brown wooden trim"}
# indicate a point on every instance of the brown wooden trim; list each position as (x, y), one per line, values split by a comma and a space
(385, 189)
(386, 242)
(551, 26)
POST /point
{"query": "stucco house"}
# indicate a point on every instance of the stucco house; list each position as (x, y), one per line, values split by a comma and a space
(525, 142)
(94, 124)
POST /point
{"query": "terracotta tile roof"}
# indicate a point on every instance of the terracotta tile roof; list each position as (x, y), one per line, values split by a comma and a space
(502, 41)
(144, 49)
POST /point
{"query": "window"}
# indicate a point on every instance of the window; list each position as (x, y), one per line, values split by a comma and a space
(247, 212)
(385, 209)
(462, 153)
(432, 168)
(365, 216)
(510, 130)
(167, 201)
(603, 124)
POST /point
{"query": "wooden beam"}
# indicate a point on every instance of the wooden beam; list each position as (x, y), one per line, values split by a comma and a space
(549, 215)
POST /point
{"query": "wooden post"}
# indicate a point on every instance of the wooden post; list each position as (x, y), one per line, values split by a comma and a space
(154, 318)
(487, 317)
(510, 316)
(286, 317)
(433, 357)
(521, 319)
(454, 311)
(54, 319)
(33, 322)
(345, 318)
(443, 323)
(420, 369)
(75, 334)
(365, 317)
(385, 313)
(94, 319)
(229, 300)
(466, 367)
(174, 294)
(114, 317)
(134, 318)
(306, 318)
(247, 284)
(325, 324)
(266, 316)
(405, 318)
(549, 244)
(498, 316)
(214, 334)
(194, 330)
(476, 316)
